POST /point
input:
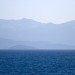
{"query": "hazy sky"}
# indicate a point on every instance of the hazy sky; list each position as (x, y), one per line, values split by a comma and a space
(56, 11)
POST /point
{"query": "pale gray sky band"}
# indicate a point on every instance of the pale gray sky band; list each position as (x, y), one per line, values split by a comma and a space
(56, 11)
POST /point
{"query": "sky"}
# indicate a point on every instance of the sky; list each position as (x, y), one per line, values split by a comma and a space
(55, 11)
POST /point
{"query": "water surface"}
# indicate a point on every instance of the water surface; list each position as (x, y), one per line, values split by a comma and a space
(20, 62)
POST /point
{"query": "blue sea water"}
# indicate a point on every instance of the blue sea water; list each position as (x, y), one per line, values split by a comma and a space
(20, 62)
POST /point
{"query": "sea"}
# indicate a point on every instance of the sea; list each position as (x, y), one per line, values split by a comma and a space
(37, 62)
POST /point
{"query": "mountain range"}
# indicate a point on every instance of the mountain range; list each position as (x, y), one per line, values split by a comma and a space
(30, 34)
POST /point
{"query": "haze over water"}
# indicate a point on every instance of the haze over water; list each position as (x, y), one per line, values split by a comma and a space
(37, 37)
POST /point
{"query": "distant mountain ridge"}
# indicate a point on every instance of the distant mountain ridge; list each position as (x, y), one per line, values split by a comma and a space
(22, 47)
(28, 31)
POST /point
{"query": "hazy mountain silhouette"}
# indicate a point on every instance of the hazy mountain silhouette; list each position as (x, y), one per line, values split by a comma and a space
(11, 44)
(28, 32)
(22, 47)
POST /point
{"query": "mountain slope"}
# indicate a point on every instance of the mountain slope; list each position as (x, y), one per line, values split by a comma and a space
(29, 30)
